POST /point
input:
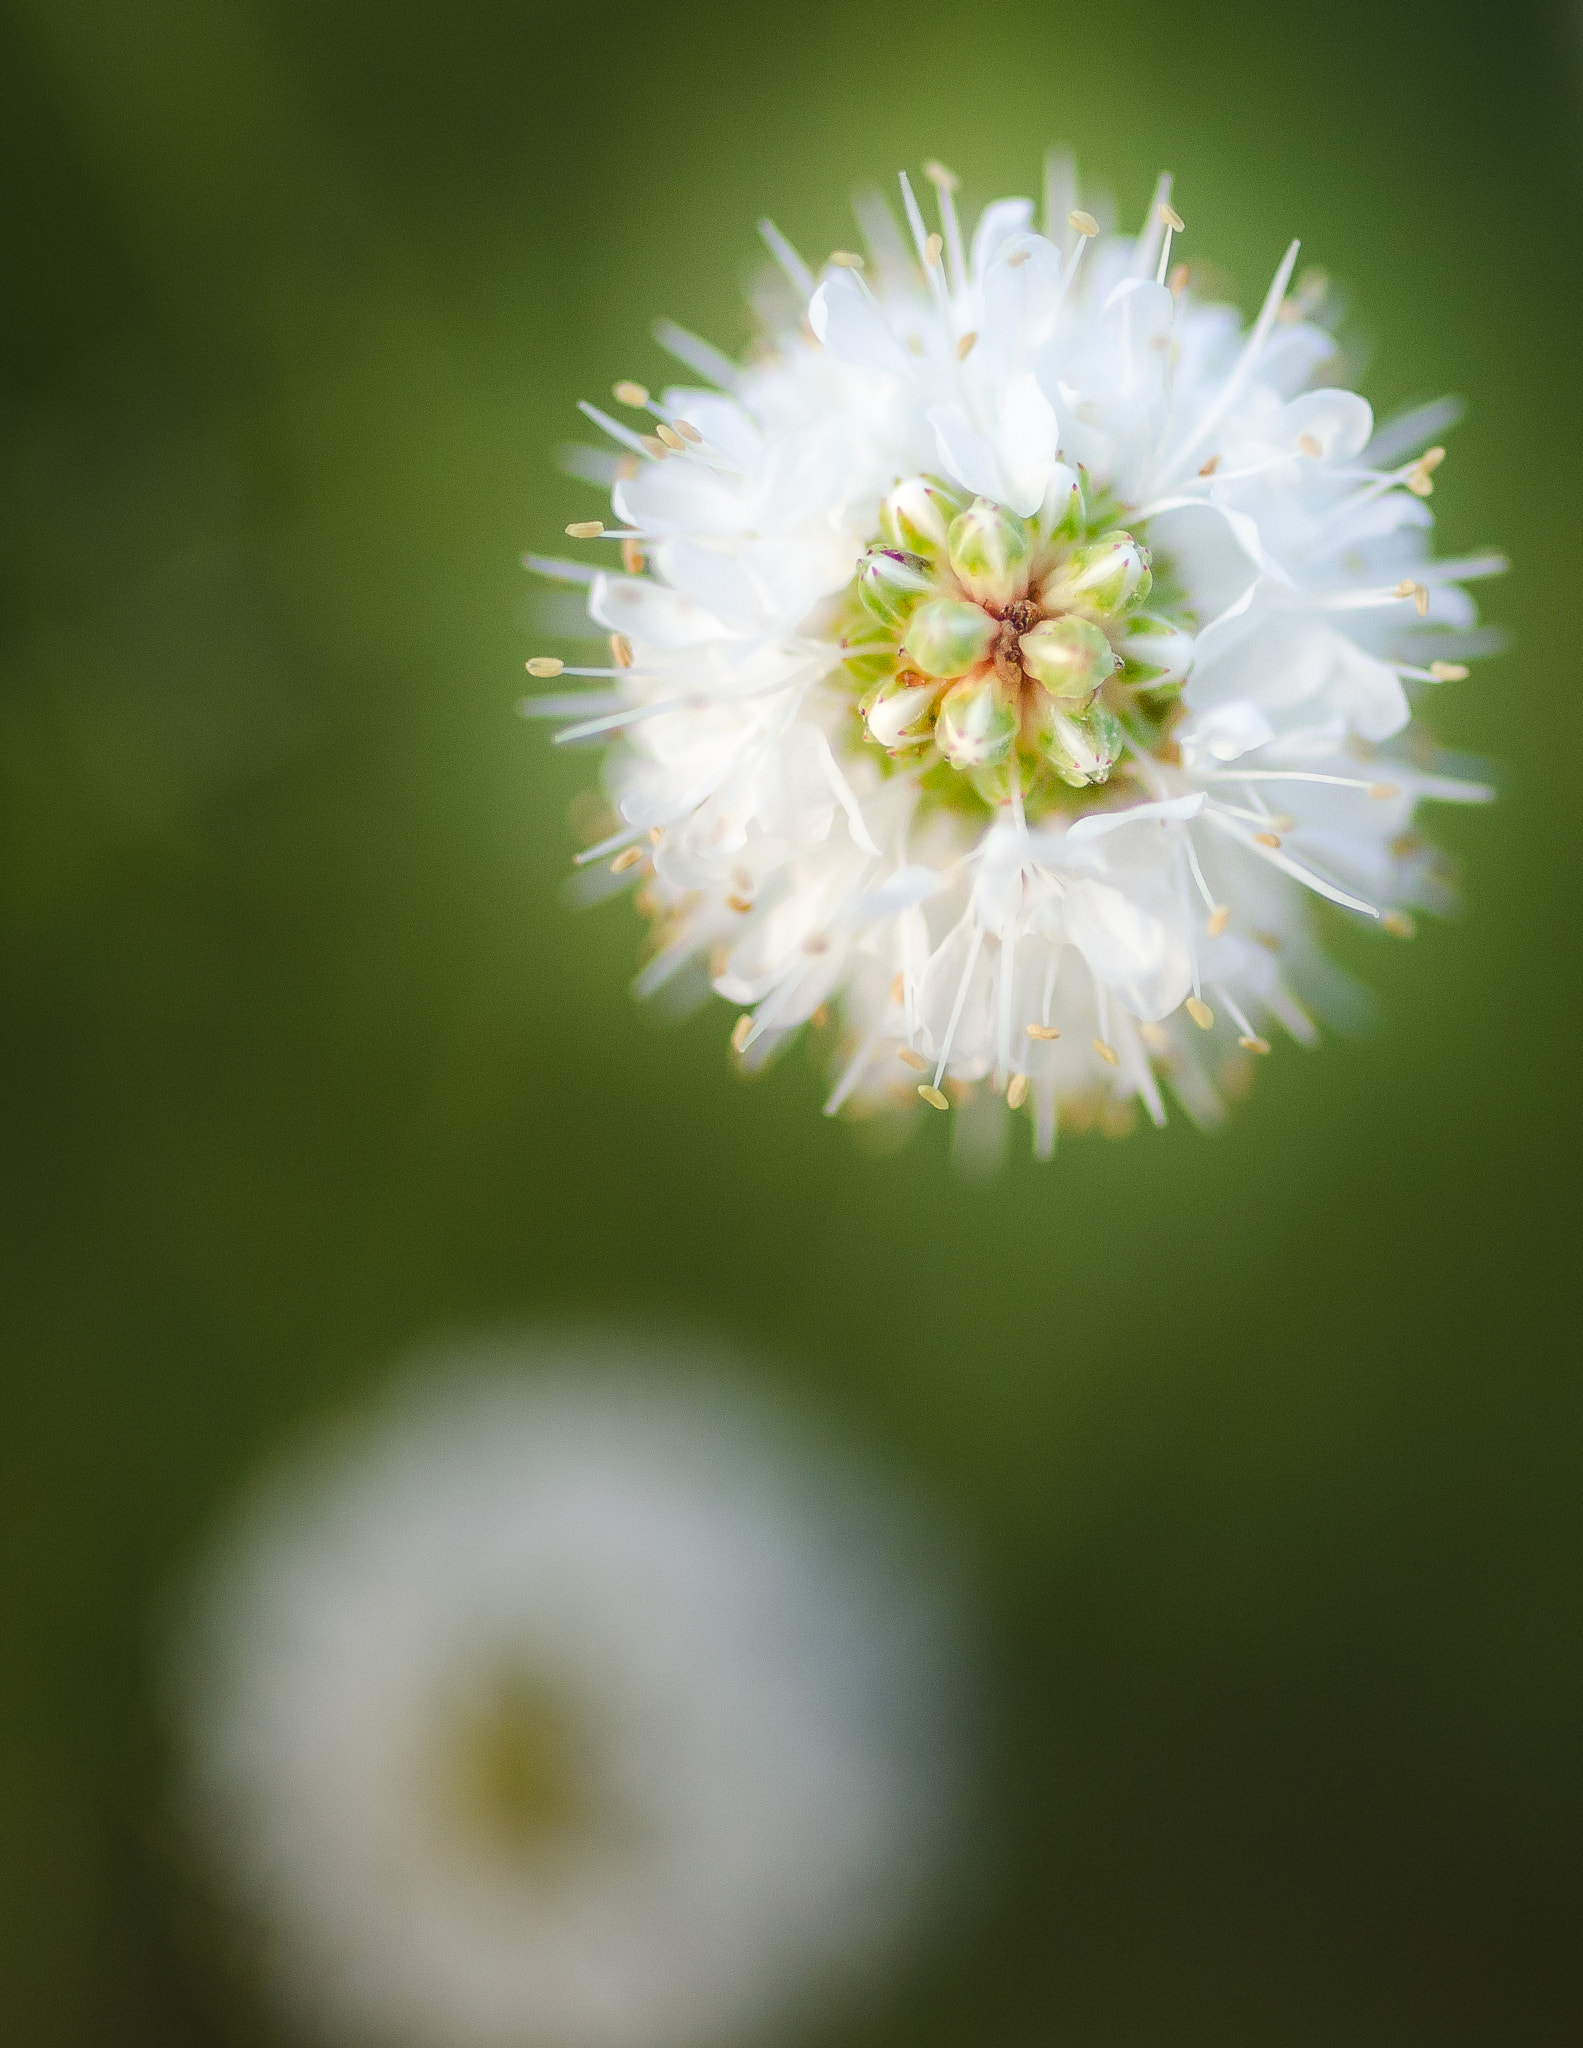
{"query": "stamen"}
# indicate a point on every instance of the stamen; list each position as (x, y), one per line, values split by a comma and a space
(898, 987)
(1400, 924)
(912, 1059)
(1208, 468)
(630, 859)
(1250, 1043)
(1176, 283)
(545, 665)
(1173, 224)
(1107, 1053)
(932, 1096)
(671, 438)
(1200, 1012)
(740, 1030)
(1266, 839)
(1219, 918)
(688, 432)
(628, 393)
(621, 650)
(1381, 791)
(740, 904)
(964, 347)
(1085, 223)
(1448, 671)
(1041, 1031)
(931, 251)
(1016, 1091)
(585, 529)
(945, 184)
(1419, 479)
(633, 559)
(654, 446)
(846, 259)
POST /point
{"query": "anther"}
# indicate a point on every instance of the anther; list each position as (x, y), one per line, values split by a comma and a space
(1448, 671)
(1421, 600)
(740, 1030)
(1251, 1044)
(932, 249)
(1219, 918)
(621, 650)
(628, 393)
(1016, 1091)
(627, 467)
(1107, 1053)
(671, 438)
(898, 987)
(1041, 1031)
(964, 347)
(654, 447)
(1266, 839)
(633, 559)
(820, 1017)
(1309, 446)
(1171, 218)
(912, 1059)
(1380, 791)
(1419, 479)
(688, 431)
(932, 1096)
(740, 904)
(586, 529)
(1176, 283)
(545, 665)
(1400, 924)
(1208, 468)
(939, 176)
(1085, 223)
(629, 858)
(846, 259)
(656, 836)
(1200, 1012)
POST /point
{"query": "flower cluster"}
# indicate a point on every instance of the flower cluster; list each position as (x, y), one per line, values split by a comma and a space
(1009, 656)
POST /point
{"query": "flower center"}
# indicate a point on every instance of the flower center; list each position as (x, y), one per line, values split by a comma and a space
(1013, 652)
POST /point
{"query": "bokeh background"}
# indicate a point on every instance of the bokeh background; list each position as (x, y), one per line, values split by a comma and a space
(1265, 1446)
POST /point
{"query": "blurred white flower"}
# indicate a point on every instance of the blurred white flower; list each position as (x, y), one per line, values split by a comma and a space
(1010, 654)
(577, 1709)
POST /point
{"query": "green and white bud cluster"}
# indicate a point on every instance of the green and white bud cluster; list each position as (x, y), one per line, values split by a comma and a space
(1008, 646)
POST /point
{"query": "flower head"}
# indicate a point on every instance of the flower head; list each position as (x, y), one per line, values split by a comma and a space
(573, 1707)
(1010, 656)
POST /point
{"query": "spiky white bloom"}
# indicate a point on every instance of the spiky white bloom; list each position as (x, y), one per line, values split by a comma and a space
(578, 1708)
(1012, 654)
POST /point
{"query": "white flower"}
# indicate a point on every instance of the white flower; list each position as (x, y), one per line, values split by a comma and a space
(578, 1709)
(1011, 655)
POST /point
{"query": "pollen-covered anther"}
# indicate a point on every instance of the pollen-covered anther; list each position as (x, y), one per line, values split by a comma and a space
(544, 665)
(1041, 1031)
(1308, 446)
(621, 650)
(912, 1059)
(1252, 1044)
(740, 904)
(1449, 671)
(1420, 478)
(629, 858)
(932, 250)
(653, 446)
(1383, 791)
(1200, 1012)
(740, 1030)
(1170, 217)
(932, 1096)
(942, 179)
(586, 529)
(1266, 839)
(964, 347)
(1107, 1053)
(846, 259)
(1219, 918)
(628, 393)
(671, 438)
(1016, 1091)
(1400, 924)
(1084, 223)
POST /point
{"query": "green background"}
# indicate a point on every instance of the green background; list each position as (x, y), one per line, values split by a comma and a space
(1266, 1445)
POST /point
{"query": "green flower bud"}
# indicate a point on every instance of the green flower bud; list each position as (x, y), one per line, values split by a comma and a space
(1070, 656)
(1106, 575)
(976, 726)
(1063, 515)
(869, 651)
(897, 712)
(890, 583)
(1083, 749)
(1157, 653)
(989, 549)
(946, 637)
(917, 515)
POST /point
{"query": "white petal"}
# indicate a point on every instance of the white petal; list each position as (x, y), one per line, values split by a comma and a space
(648, 611)
(851, 327)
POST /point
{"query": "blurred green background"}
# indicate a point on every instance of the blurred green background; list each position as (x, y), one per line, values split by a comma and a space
(1266, 1445)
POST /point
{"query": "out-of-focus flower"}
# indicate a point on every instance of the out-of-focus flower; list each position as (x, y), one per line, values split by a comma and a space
(575, 1708)
(1010, 654)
